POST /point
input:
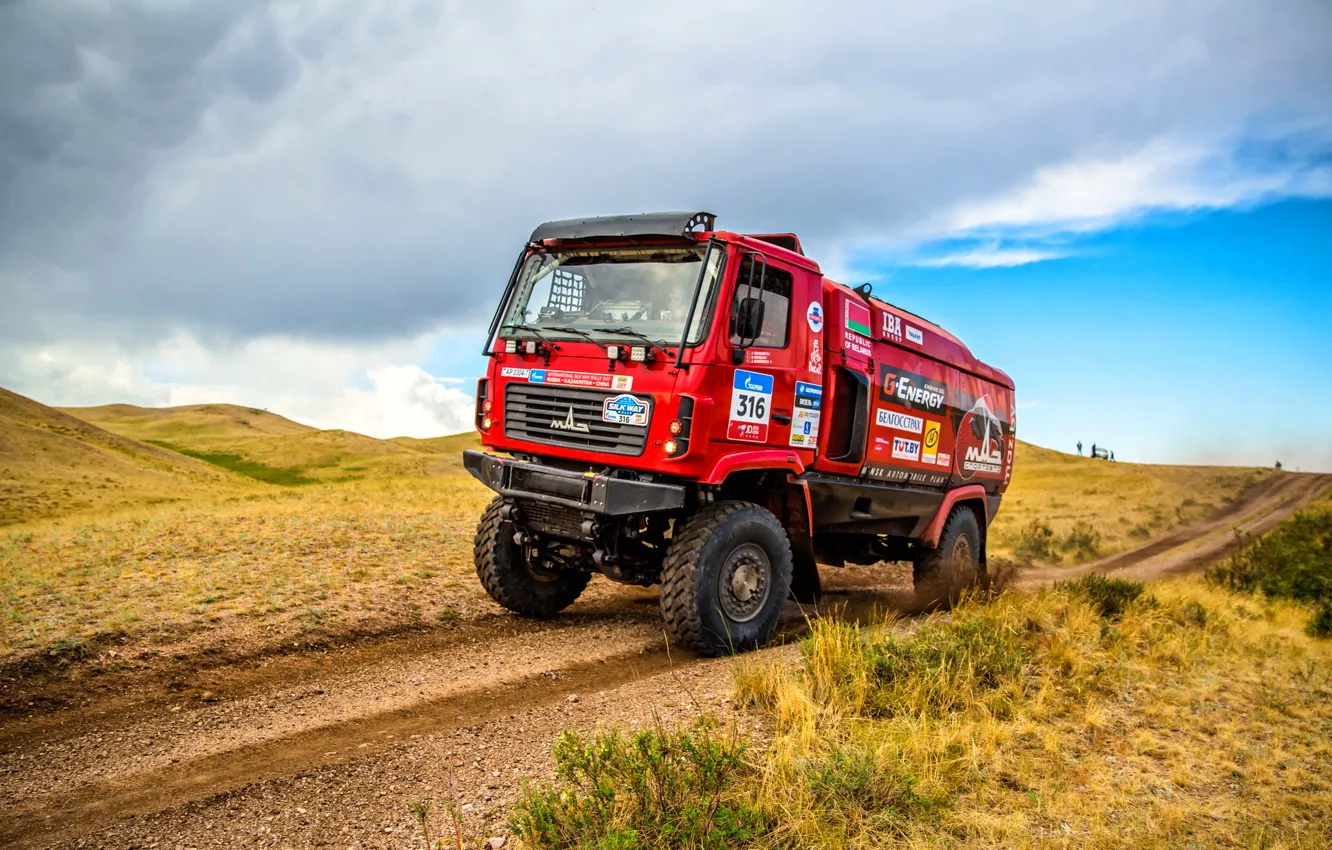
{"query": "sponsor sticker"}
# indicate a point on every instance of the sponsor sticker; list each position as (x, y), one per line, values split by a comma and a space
(900, 421)
(915, 335)
(514, 372)
(892, 326)
(808, 395)
(557, 378)
(944, 459)
(814, 315)
(751, 406)
(626, 410)
(906, 449)
(805, 416)
(815, 356)
(910, 390)
(929, 450)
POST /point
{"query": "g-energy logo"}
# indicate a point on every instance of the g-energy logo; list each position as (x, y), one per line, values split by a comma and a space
(910, 390)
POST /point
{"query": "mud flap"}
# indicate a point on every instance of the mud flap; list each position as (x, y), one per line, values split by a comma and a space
(805, 585)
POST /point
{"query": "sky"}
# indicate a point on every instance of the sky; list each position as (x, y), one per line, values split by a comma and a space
(312, 207)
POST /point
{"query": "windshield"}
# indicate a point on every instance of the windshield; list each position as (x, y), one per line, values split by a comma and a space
(614, 293)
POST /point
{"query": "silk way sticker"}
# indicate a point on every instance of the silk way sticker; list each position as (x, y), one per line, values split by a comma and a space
(751, 407)
(814, 315)
(626, 410)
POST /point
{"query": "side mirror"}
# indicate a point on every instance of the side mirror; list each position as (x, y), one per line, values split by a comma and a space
(748, 320)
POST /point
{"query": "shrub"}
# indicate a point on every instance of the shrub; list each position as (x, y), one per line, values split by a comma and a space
(657, 788)
(1292, 561)
(1320, 626)
(1036, 542)
(1084, 541)
(1109, 596)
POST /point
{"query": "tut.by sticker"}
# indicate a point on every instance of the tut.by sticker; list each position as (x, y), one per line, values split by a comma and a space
(814, 315)
(625, 410)
(751, 406)
(906, 449)
(514, 372)
(929, 449)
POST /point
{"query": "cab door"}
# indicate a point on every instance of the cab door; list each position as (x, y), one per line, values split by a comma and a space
(762, 352)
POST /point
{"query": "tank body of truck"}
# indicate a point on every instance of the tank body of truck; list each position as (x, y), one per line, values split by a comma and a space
(704, 410)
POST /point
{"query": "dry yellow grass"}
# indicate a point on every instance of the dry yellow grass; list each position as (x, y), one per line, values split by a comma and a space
(1129, 504)
(1202, 720)
(354, 555)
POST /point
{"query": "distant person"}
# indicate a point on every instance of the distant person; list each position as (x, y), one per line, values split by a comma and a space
(1093, 453)
(1278, 466)
(1112, 457)
(1079, 448)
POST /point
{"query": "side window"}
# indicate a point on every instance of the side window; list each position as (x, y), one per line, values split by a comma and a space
(776, 297)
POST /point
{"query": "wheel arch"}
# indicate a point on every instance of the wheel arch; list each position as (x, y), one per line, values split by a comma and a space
(972, 496)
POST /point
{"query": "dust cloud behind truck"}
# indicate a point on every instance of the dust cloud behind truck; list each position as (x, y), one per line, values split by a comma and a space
(669, 403)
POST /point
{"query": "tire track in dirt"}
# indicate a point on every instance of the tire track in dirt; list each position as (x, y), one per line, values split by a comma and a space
(65, 813)
(1259, 510)
(329, 744)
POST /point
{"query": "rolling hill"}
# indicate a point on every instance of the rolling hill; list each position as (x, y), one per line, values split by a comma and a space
(53, 464)
(274, 449)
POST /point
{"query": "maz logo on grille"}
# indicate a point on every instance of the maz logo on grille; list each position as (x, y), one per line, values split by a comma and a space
(568, 423)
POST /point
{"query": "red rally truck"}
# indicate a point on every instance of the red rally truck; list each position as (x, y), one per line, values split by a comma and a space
(668, 403)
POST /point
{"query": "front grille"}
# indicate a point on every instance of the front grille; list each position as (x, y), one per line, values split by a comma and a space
(550, 518)
(531, 409)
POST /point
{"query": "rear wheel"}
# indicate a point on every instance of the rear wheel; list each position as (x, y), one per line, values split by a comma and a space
(523, 588)
(725, 579)
(944, 573)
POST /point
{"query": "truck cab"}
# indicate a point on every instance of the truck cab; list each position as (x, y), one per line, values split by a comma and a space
(670, 403)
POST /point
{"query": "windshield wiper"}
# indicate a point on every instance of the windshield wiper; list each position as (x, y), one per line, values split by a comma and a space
(568, 330)
(536, 333)
(637, 335)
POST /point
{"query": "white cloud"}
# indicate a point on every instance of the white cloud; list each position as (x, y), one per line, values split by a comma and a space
(372, 389)
(1091, 193)
(990, 258)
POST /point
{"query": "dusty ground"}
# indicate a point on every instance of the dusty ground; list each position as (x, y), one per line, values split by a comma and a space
(330, 745)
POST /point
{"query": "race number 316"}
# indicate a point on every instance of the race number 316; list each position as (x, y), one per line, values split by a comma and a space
(751, 406)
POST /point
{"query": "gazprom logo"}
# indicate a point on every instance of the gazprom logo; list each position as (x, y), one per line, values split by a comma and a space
(754, 382)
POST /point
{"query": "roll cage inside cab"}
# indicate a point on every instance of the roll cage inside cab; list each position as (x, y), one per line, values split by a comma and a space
(674, 413)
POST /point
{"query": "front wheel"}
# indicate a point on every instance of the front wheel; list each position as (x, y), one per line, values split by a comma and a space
(725, 578)
(942, 574)
(531, 591)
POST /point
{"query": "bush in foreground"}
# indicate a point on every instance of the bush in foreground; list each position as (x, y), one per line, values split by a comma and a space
(654, 789)
(1293, 561)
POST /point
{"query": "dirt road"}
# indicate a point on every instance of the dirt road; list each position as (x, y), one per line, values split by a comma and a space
(330, 746)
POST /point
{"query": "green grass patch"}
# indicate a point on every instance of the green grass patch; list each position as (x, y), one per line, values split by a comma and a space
(285, 476)
(654, 789)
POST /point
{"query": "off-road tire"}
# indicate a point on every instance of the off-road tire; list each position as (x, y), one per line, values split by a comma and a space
(507, 578)
(701, 546)
(943, 574)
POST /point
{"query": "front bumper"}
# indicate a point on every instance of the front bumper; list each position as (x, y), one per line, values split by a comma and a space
(598, 493)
